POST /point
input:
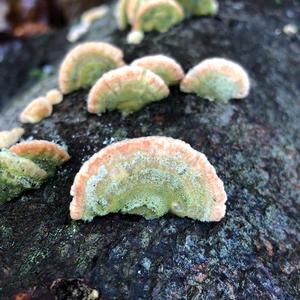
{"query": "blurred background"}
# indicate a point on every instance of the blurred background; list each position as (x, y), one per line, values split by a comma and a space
(25, 18)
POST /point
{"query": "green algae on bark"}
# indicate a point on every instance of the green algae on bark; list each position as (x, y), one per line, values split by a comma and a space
(148, 176)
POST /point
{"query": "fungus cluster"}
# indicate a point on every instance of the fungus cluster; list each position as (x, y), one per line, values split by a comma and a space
(26, 166)
(41, 107)
(145, 80)
(159, 15)
(148, 176)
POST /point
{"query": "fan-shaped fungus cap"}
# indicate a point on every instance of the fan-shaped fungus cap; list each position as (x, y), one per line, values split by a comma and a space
(127, 89)
(10, 137)
(86, 63)
(36, 111)
(166, 67)
(217, 79)
(148, 176)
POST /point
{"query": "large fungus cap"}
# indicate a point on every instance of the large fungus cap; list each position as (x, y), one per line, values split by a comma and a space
(148, 176)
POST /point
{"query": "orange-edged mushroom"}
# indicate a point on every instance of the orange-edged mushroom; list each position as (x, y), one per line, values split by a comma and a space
(166, 67)
(46, 155)
(127, 89)
(217, 79)
(148, 176)
(86, 63)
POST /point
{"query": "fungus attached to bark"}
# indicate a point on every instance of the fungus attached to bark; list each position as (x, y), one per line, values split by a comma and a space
(54, 97)
(93, 14)
(148, 176)
(121, 14)
(87, 62)
(217, 79)
(46, 155)
(10, 137)
(127, 89)
(200, 7)
(26, 166)
(159, 15)
(18, 174)
(36, 111)
(167, 68)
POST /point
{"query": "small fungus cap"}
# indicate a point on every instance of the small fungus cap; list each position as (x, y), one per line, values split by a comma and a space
(166, 67)
(157, 15)
(135, 37)
(54, 96)
(36, 110)
(214, 76)
(10, 137)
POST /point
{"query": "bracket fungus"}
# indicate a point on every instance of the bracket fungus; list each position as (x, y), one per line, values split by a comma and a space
(93, 14)
(200, 7)
(159, 15)
(148, 176)
(217, 79)
(165, 67)
(144, 16)
(87, 62)
(127, 89)
(54, 96)
(26, 165)
(46, 155)
(86, 20)
(121, 14)
(10, 137)
(36, 110)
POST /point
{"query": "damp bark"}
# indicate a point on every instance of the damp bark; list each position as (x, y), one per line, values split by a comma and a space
(253, 143)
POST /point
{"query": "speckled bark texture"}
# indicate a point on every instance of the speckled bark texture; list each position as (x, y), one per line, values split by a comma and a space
(253, 253)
